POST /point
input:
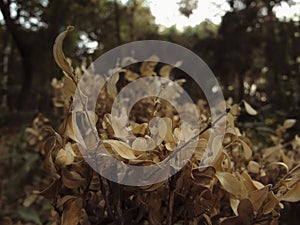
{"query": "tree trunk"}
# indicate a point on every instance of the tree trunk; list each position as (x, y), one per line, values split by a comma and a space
(6, 53)
(20, 38)
(23, 98)
(132, 19)
(117, 22)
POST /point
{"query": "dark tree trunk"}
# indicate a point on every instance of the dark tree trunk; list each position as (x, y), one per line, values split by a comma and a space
(132, 19)
(32, 61)
(23, 99)
(241, 87)
(117, 22)
(20, 38)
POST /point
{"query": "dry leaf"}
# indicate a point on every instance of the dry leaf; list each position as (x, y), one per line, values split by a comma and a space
(140, 144)
(58, 53)
(234, 203)
(245, 211)
(292, 195)
(249, 109)
(51, 191)
(147, 68)
(229, 182)
(258, 197)
(165, 71)
(72, 212)
(247, 150)
(138, 128)
(65, 156)
(72, 179)
(289, 123)
(131, 76)
(253, 167)
(112, 85)
(121, 148)
(270, 203)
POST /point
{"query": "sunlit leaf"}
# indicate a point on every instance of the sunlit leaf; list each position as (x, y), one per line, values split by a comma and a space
(120, 148)
(292, 195)
(247, 150)
(111, 85)
(289, 123)
(249, 109)
(65, 156)
(165, 71)
(229, 182)
(253, 167)
(59, 56)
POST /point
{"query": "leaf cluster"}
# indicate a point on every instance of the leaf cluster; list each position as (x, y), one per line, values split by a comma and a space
(236, 184)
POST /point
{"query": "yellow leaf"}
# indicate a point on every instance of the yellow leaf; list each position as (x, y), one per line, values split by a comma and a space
(65, 156)
(131, 76)
(289, 123)
(270, 203)
(58, 53)
(29, 200)
(165, 71)
(234, 205)
(247, 150)
(292, 195)
(138, 128)
(253, 167)
(121, 148)
(69, 88)
(229, 182)
(73, 131)
(148, 66)
(249, 109)
(235, 110)
(169, 132)
(111, 85)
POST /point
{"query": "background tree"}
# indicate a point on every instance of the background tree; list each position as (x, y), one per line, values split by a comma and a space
(101, 21)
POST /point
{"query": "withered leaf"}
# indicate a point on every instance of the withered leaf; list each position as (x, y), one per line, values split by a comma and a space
(165, 71)
(270, 203)
(64, 199)
(111, 85)
(49, 166)
(131, 76)
(203, 177)
(289, 123)
(51, 191)
(229, 182)
(245, 211)
(154, 209)
(293, 194)
(245, 214)
(72, 179)
(247, 150)
(72, 212)
(147, 68)
(65, 156)
(58, 53)
(253, 167)
(249, 109)
(258, 197)
(120, 148)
